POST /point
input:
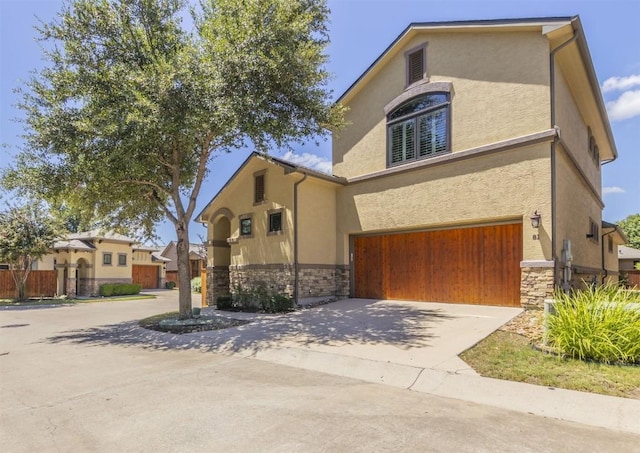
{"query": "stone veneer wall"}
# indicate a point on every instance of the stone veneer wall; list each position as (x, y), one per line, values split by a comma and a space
(91, 286)
(217, 284)
(536, 285)
(278, 278)
(313, 280)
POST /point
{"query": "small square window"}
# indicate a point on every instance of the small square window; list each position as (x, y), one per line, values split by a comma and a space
(122, 259)
(275, 222)
(245, 227)
(106, 259)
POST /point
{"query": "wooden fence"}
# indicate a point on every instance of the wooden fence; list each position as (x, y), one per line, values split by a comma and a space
(39, 284)
(203, 275)
(171, 276)
(633, 277)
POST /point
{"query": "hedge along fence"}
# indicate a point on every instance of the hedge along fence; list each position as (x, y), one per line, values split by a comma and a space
(119, 289)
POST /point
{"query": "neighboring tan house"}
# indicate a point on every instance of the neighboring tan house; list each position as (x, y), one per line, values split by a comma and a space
(469, 172)
(628, 258)
(84, 261)
(197, 260)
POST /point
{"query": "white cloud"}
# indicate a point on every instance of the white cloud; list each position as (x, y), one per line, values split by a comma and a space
(613, 189)
(621, 83)
(625, 107)
(309, 160)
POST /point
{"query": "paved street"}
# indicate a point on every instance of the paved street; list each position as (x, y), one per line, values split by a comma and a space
(66, 386)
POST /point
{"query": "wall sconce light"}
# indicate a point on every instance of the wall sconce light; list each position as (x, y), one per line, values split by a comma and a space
(535, 219)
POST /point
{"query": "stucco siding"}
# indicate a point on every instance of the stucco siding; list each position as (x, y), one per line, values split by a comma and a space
(238, 198)
(500, 90)
(316, 222)
(112, 271)
(575, 205)
(506, 186)
(574, 130)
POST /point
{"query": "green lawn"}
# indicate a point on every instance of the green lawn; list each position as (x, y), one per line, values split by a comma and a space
(54, 301)
(505, 355)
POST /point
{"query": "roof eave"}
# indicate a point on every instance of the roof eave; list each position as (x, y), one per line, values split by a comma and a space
(541, 21)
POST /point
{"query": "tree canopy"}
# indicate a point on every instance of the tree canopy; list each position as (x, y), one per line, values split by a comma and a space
(140, 94)
(26, 235)
(631, 228)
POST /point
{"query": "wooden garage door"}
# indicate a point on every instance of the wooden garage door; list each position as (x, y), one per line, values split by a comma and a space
(147, 276)
(478, 265)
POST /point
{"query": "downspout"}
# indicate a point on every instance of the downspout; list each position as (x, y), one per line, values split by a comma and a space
(295, 238)
(606, 272)
(552, 87)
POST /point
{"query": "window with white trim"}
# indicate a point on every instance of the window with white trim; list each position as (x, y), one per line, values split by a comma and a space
(418, 129)
(106, 258)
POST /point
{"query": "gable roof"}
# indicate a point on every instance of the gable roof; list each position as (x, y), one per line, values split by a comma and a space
(546, 24)
(196, 249)
(97, 234)
(289, 167)
(628, 253)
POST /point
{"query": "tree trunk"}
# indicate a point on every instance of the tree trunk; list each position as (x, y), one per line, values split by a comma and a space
(184, 273)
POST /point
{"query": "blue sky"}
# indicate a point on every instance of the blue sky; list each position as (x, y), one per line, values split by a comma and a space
(360, 30)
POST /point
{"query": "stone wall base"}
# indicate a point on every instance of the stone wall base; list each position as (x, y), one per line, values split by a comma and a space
(313, 280)
(217, 284)
(536, 285)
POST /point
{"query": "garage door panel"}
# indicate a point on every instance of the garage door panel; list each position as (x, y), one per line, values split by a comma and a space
(146, 276)
(477, 265)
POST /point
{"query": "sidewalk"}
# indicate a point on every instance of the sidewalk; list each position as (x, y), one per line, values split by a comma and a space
(408, 345)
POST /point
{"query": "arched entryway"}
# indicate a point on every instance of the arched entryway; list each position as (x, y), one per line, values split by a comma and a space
(82, 278)
(219, 257)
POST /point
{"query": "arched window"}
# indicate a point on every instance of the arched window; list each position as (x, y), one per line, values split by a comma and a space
(418, 129)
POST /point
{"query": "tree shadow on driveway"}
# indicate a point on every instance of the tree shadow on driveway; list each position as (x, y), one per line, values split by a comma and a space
(352, 322)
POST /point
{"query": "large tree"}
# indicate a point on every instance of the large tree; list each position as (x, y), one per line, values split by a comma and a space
(26, 235)
(631, 227)
(128, 116)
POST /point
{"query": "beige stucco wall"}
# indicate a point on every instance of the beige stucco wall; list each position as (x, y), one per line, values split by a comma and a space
(238, 198)
(113, 270)
(500, 91)
(575, 204)
(45, 263)
(316, 222)
(507, 186)
(574, 131)
(317, 217)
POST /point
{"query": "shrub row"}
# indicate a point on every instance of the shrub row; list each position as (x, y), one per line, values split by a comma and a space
(256, 299)
(119, 289)
(601, 324)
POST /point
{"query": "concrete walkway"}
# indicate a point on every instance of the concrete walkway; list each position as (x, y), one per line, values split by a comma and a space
(406, 345)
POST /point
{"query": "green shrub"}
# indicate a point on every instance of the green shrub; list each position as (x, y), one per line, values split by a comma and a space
(119, 289)
(106, 290)
(279, 303)
(170, 284)
(599, 323)
(224, 303)
(196, 284)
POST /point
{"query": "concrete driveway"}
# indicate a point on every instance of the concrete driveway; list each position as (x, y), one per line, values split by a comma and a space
(391, 334)
(409, 345)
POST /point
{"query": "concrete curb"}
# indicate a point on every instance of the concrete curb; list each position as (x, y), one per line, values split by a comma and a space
(602, 411)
